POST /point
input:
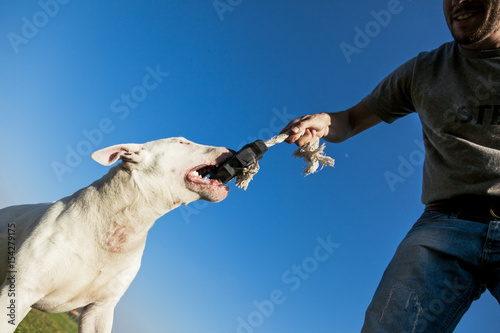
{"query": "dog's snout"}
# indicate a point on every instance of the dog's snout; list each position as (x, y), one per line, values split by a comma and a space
(210, 150)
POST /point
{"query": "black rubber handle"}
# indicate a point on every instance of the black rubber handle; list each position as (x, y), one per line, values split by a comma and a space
(239, 161)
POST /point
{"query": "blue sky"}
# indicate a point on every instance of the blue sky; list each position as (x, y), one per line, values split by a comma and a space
(226, 73)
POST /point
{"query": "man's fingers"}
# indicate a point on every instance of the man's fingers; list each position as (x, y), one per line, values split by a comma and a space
(312, 125)
(294, 128)
(308, 136)
(299, 136)
(292, 138)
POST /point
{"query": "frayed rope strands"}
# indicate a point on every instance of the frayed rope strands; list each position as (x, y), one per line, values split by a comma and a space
(312, 153)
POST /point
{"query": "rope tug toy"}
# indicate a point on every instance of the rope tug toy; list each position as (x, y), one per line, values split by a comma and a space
(244, 164)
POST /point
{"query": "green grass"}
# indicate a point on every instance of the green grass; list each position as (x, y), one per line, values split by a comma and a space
(40, 322)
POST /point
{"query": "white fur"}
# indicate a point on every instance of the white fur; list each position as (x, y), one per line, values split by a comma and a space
(84, 250)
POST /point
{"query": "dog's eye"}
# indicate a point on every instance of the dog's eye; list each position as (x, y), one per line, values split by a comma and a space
(185, 142)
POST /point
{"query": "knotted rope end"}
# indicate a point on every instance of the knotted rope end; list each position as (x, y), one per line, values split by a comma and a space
(314, 155)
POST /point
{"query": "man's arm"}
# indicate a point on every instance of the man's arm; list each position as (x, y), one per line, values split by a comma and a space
(332, 127)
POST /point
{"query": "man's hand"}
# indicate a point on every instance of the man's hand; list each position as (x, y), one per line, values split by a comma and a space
(314, 125)
(332, 127)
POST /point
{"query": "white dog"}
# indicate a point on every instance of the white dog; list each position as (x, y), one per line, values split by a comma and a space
(84, 250)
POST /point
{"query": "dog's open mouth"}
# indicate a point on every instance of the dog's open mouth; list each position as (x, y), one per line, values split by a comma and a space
(201, 174)
(198, 180)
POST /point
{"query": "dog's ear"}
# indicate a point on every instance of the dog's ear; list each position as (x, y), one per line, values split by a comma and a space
(131, 154)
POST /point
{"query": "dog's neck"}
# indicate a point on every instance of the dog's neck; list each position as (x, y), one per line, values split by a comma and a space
(125, 212)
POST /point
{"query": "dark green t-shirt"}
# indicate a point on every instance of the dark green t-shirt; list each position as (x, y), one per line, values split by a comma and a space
(456, 93)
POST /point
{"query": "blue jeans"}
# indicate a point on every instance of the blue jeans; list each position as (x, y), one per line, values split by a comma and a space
(439, 269)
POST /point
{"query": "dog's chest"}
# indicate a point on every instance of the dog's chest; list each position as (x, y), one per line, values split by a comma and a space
(115, 239)
(100, 277)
